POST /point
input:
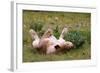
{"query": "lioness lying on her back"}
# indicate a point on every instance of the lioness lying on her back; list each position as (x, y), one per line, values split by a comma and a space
(48, 43)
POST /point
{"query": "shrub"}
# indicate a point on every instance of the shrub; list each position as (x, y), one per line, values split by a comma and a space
(37, 26)
(56, 32)
(75, 37)
(87, 35)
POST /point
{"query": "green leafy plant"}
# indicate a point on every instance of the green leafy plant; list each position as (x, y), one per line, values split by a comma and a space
(37, 26)
(75, 37)
(56, 32)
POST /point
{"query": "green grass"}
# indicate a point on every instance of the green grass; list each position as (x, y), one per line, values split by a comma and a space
(41, 21)
(30, 55)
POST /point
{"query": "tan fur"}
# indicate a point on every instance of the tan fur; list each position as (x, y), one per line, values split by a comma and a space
(48, 44)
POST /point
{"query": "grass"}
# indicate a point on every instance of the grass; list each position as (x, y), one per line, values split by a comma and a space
(40, 21)
(74, 54)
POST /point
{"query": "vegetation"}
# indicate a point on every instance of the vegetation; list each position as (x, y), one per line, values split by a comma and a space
(79, 33)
